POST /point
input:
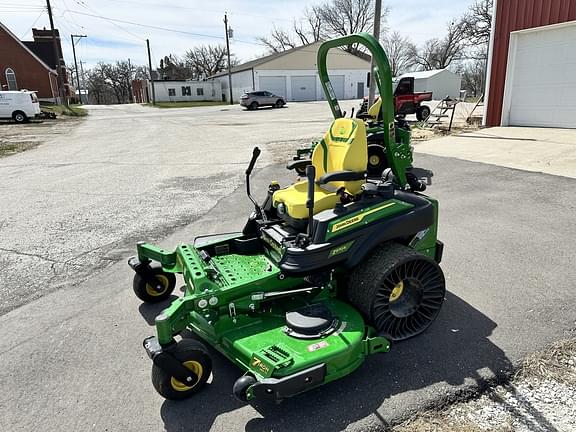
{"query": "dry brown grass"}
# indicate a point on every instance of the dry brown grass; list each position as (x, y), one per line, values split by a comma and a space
(557, 363)
(440, 422)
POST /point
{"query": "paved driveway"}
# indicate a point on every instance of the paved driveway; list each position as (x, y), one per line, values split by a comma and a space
(77, 203)
(72, 360)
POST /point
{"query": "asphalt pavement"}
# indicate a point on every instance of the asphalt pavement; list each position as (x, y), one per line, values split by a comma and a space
(72, 360)
(74, 205)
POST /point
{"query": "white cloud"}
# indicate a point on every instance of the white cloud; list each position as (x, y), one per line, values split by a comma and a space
(419, 19)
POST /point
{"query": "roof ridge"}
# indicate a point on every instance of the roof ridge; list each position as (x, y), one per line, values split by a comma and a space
(13, 36)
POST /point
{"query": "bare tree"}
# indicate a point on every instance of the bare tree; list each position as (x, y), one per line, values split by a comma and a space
(96, 83)
(174, 68)
(477, 22)
(400, 51)
(278, 41)
(206, 60)
(309, 28)
(472, 76)
(141, 72)
(440, 53)
(325, 21)
(343, 17)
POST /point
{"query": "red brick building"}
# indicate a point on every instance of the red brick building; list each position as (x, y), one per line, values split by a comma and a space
(532, 68)
(31, 65)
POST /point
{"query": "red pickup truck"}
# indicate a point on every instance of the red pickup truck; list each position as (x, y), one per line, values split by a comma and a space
(406, 101)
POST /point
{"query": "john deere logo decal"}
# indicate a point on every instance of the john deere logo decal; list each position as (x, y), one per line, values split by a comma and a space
(358, 218)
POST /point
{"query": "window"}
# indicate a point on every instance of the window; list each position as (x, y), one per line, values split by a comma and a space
(199, 91)
(186, 91)
(11, 79)
(404, 87)
(171, 92)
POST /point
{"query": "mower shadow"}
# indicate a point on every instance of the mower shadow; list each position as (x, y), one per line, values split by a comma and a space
(150, 311)
(450, 354)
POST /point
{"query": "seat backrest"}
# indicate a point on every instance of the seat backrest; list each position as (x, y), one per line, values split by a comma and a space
(374, 110)
(344, 147)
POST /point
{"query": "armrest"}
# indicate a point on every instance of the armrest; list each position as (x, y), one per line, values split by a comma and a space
(341, 176)
(299, 165)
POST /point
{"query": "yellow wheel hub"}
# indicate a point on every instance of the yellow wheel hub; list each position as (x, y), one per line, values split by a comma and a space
(374, 160)
(163, 281)
(195, 367)
(397, 291)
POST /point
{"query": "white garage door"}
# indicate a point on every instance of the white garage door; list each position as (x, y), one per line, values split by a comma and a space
(541, 82)
(303, 88)
(338, 85)
(274, 84)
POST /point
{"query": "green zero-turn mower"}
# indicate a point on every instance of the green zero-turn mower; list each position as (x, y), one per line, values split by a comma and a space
(325, 272)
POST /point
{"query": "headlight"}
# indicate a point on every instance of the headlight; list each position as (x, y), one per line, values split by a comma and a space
(281, 209)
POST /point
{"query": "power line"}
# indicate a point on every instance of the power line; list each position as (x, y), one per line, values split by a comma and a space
(33, 24)
(195, 9)
(157, 27)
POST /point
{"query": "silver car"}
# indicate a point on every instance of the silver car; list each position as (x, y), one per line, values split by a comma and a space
(254, 100)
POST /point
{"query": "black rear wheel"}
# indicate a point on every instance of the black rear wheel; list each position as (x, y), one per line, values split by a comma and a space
(399, 291)
(253, 106)
(377, 161)
(423, 113)
(19, 117)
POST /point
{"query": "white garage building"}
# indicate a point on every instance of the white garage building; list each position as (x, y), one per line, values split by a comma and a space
(540, 79)
(441, 82)
(293, 74)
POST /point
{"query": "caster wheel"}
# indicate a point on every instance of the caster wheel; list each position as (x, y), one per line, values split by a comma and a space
(241, 386)
(149, 294)
(195, 357)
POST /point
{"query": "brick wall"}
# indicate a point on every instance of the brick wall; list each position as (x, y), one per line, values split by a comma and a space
(30, 74)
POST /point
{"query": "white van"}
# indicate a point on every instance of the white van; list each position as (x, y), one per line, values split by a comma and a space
(19, 105)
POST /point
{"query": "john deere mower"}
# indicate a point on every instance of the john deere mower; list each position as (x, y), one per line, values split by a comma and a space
(325, 272)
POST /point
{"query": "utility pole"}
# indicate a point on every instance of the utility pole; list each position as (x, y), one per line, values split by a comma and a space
(57, 56)
(129, 81)
(228, 53)
(372, 89)
(76, 64)
(151, 77)
(83, 80)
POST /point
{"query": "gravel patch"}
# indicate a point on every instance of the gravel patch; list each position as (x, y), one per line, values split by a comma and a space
(540, 398)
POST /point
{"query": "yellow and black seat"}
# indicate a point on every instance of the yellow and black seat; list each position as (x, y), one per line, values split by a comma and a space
(340, 161)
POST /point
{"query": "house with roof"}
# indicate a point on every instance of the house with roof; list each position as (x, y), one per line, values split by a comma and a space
(441, 82)
(32, 65)
(293, 74)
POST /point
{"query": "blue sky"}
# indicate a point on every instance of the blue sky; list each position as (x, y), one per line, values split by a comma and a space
(107, 41)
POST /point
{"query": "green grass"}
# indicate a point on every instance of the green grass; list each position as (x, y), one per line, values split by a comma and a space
(70, 110)
(186, 104)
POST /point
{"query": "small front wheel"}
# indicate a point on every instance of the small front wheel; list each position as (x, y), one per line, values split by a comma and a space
(241, 386)
(194, 356)
(279, 103)
(154, 294)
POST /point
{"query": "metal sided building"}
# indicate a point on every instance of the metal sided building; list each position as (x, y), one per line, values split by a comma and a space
(532, 70)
